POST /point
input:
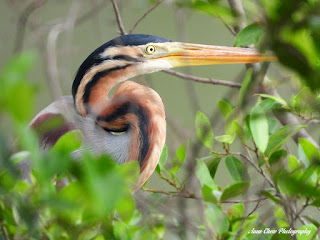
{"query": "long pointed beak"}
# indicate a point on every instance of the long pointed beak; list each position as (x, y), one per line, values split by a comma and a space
(189, 54)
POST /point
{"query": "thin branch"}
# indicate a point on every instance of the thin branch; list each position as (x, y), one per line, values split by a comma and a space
(51, 49)
(172, 183)
(4, 232)
(173, 194)
(145, 14)
(246, 201)
(257, 205)
(232, 31)
(23, 19)
(118, 17)
(259, 170)
(204, 80)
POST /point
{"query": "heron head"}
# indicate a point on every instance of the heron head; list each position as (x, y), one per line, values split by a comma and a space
(146, 54)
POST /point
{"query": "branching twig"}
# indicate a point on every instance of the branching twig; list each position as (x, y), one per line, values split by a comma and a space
(144, 15)
(118, 17)
(204, 80)
(172, 183)
(21, 27)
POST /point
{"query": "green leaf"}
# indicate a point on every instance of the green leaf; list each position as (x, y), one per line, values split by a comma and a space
(245, 87)
(269, 195)
(234, 190)
(248, 35)
(312, 153)
(236, 212)
(239, 131)
(277, 156)
(180, 157)
(275, 98)
(236, 169)
(280, 137)
(214, 9)
(204, 130)
(294, 166)
(266, 104)
(163, 159)
(225, 139)
(16, 93)
(225, 106)
(259, 127)
(217, 220)
(213, 165)
(207, 194)
(281, 218)
(310, 231)
(203, 174)
(68, 142)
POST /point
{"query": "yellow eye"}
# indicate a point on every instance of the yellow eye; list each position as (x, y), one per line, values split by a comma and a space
(150, 49)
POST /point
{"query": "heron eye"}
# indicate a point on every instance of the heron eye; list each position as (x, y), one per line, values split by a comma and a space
(116, 133)
(150, 49)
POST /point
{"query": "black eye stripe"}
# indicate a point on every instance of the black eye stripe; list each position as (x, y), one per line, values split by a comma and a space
(143, 119)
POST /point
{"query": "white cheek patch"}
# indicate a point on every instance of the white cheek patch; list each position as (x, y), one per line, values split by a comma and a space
(153, 66)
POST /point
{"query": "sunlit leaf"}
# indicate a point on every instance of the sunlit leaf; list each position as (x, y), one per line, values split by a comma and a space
(225, 107)
(238, 129)
(68, 142)
(207, 194)
(225, 138)
(163, 159)
(259, 127)
(281, 218)
(294, 166)
(180, 157)
(311, 152)
(278, 99)
(203, 174)
(309, 234)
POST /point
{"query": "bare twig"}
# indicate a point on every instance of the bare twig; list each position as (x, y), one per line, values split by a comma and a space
(233, 32)
(204, 80)
(51, 51)
(145, 14)
(237, 7)
(173, 194)
(246, 201)
(4, 232)
(118, 17)
(21, 27)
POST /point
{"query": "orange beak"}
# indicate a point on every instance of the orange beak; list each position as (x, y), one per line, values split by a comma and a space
(189, 54)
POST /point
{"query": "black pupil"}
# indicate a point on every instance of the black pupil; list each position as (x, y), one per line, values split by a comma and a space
(151, 49)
